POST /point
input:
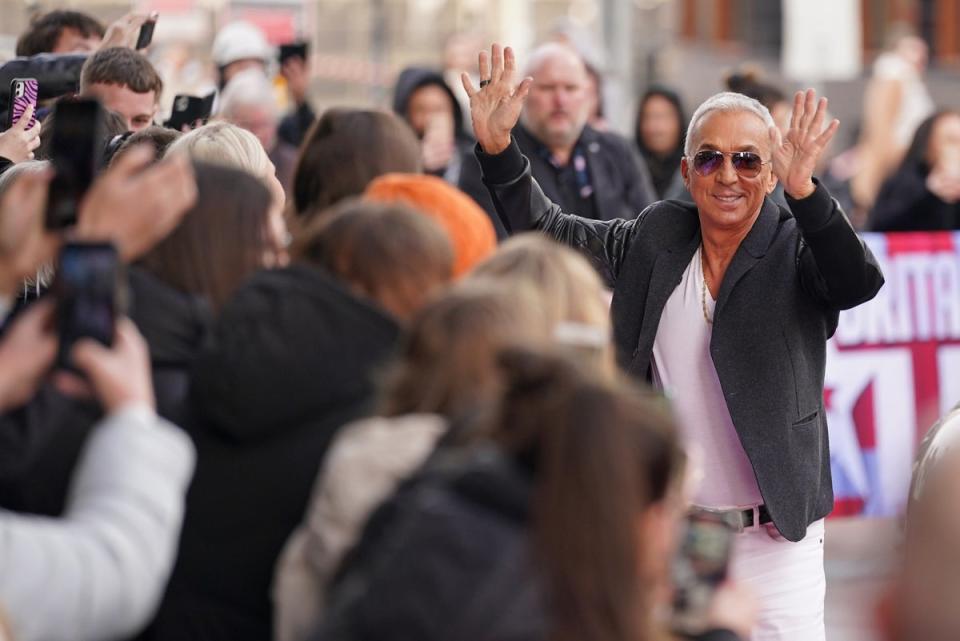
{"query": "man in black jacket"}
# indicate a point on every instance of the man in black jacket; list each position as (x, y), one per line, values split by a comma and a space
(727, 305)
(594, 173)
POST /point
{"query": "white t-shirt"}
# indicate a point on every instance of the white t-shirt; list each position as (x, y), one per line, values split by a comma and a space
(684, 370)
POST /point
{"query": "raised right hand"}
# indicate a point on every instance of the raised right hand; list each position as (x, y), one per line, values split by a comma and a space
(124, 32)
(495, 108)
(120, 375)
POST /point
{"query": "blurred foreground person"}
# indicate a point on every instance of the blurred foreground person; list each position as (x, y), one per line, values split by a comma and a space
(710, 300)
(346, 149)
(97, 571)
(293, 357)
(924, 600)
(446, 375)
(596, 174)
(924, 193)
(423, 99)
(557, 521)
(659, 134)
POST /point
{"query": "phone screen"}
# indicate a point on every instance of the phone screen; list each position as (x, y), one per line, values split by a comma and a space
(89, 294)
(74, 153)
(23, 93)
(700, 567)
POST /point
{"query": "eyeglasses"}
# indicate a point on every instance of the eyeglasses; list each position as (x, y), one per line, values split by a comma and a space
(746, 163)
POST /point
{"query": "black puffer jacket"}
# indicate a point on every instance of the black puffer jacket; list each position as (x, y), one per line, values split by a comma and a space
(445, 558)
(293, 357)
(56, 74)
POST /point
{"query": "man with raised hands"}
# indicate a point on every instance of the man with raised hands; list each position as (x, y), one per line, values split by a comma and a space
(726, 305)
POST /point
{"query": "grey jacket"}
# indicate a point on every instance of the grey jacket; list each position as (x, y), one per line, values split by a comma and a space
(778, 304)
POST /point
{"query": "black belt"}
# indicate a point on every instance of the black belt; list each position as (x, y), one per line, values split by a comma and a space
(740, 520)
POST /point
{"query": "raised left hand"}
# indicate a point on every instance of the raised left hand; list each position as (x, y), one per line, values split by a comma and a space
(795, 156)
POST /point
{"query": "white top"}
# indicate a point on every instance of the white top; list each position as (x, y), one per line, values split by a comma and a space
(683, 369)
(99, 571)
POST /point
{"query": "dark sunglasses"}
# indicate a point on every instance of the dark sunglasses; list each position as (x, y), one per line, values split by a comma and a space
(745, 163)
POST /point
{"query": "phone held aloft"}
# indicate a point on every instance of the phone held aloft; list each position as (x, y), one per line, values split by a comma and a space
(190, 111)
(145, 37)
(90, 290)
(75, 155)
(700, 567)
(23, 94)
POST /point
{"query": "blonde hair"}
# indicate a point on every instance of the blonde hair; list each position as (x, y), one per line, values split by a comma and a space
(223, 143)
(571, 293)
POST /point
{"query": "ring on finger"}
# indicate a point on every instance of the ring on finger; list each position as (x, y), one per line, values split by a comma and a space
(484, 83)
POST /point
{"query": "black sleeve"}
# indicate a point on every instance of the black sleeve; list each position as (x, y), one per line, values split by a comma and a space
(471, 183)
(522, 206)
(905, 204)
(56, 74)
(5, 164)
(834, 264)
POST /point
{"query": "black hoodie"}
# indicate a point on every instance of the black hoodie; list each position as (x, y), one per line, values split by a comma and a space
(293, 357)
(413, 78)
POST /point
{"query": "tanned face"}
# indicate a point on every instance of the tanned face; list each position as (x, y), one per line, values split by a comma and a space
(725, 199)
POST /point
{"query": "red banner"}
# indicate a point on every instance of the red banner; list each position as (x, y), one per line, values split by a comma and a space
(893, 368)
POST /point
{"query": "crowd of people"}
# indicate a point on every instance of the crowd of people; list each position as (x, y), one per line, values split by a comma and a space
(368, 377)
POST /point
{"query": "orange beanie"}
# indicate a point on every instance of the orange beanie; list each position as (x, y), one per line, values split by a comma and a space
(469, 228)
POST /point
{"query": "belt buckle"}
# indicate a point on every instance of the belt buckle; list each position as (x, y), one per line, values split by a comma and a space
(732, 518)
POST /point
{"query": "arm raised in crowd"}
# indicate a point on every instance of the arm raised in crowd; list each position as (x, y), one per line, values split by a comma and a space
(521, 205)
(100, 570)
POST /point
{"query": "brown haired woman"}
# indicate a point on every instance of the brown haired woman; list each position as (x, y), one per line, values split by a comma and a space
(293, 357)
(531, 291)
(556, 527)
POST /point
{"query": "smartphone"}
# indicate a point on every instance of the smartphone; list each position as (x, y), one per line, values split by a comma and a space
(146, 33)
(700, 567)
(23, 93)
(90, 293)
(298, 49)
(188, 110)
(75, 156)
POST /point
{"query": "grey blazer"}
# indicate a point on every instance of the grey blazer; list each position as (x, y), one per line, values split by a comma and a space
(778, 304)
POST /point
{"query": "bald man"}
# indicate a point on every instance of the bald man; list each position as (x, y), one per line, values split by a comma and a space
(597, 174)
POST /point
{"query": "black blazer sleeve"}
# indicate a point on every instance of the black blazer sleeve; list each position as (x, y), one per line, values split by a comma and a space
(522, 206)
(833, 263)
(471, 183)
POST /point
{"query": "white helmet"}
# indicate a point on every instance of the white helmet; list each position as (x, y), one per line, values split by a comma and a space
(240, 41)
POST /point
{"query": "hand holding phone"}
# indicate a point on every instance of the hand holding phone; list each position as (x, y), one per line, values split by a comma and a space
(23, 99)
(119, 375)
(189, 112)
(90, 290)
(700, 568)
(145, 37)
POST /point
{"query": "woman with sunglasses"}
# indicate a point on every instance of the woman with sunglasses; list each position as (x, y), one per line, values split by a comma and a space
(726, 304)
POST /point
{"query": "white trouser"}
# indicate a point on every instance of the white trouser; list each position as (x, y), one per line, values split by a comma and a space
(787, 579)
